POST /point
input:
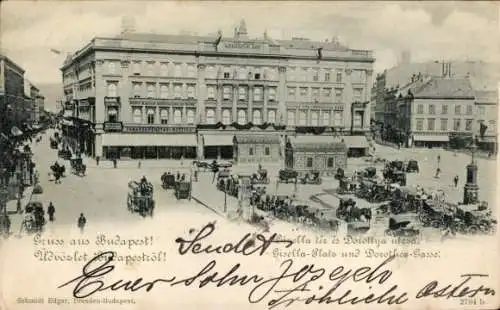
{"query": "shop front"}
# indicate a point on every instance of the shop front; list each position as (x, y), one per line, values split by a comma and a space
(357, 146)
(431, 141)
(217, 146)
(149, 146)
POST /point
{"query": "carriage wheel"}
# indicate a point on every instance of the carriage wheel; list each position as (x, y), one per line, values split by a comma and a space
(436, 224)
(472, 230)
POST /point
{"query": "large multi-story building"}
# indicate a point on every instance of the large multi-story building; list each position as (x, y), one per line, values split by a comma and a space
(172, 96)
(12, 107)
(432, 110)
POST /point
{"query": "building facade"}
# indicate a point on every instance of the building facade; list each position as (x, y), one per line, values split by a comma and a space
(12, 107)
(433, 111)
(315, 153)
(486, 113)
(195, 89)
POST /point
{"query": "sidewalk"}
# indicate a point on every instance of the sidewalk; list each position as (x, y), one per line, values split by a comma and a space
(12, 204)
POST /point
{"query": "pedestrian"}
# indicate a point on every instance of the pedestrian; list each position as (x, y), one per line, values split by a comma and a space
(50, 211)
(19, 210)
(195, 175)
(97, 158)
(114, 163)
(82, 221)
(455, 180)
(439, 159)
(178, 176)
(438, 173)
(139, 164)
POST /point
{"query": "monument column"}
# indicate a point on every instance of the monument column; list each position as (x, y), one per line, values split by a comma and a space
(471, 188)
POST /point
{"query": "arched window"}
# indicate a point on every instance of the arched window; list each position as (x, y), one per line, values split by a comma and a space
(112, 90)
(177, 91)
(137, 116)
(226, 117)
(314, 118)
(164, 116)
(177, 116)
(210, 116)
(271, 116)
(190, 116)
(242, 117)
(164, 91)
(257, 117)
(151, 116)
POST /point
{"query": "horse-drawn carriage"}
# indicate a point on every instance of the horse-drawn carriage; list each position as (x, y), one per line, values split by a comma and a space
(286, 175)
(340, 174)
(395, 176)
(431, 214)
(347, 186)
(405, 200)
(77, 166)
(34, 217)
(140, 198)
(373, 191)
(64, 154)
(168, 180)
(348, 211)
(312, 177)
(58, 170)
(183, 190)
(401, 226)
(260, 177)
(412, 166)
(475, 219)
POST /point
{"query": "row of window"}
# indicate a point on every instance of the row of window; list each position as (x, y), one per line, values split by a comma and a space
(242, 93)
(444, 109)
(152, 115)
(431, 124)
(325, 92)
(242, 117)
(151, 68)
(179, 91)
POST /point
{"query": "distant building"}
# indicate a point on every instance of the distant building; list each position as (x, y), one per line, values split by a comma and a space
(11, 94)
(486, 113)
(432, 110)
(482, 76)
(138, 95)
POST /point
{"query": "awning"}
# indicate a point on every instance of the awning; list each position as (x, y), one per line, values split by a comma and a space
(123, 139)
(356, 142)
(313, 143)
(443, 138)
(216, 140)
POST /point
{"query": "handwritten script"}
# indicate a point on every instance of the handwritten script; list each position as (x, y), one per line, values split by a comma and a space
(293, 283)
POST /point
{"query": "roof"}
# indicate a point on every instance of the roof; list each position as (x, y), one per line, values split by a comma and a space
(317, 143)
(257, 139)
(12, 63)
(481, 73)
(449, 88)
(486, 96)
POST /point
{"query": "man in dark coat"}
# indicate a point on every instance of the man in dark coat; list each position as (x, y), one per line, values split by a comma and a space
(82, 221)
(50, 211)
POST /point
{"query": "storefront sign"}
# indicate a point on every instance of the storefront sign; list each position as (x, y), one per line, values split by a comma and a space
(113, 126)
(157, 129)
(243, 45)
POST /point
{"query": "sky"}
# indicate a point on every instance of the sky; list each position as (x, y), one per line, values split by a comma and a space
(431, 31)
